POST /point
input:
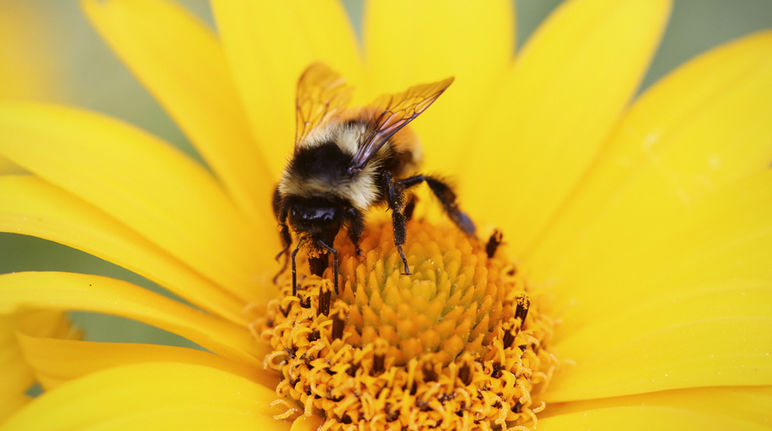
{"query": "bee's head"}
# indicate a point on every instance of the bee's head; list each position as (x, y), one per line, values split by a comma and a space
(321, 218)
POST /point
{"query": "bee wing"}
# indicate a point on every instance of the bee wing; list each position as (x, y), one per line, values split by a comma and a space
(321, 92)
(395, 111)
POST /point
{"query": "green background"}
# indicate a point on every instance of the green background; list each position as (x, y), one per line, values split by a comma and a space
(92, 78)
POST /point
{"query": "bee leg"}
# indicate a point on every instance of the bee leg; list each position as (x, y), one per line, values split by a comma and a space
(280, 210)
(286, 240)
(295, 271)
(395, 198)
(334, 262)
(356, 225)
(446, 197)
(409, 208)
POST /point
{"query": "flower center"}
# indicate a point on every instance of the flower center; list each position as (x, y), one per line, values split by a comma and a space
(458, 344)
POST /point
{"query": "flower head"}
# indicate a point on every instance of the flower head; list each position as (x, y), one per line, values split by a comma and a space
(632, 287)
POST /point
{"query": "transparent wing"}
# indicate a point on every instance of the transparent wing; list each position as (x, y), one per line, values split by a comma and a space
(321, 93)
(394, 112)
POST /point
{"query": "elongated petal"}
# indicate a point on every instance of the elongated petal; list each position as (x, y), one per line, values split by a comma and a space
(64, 291)
(181, 63)
(566, 91)
(144, 183)
(724, 351)
(159, 395)
(747, 403)
(721, 239)
(701, 317)
(57, 361)
(7, 167)
(644, 418)
(719, 299)
(10, 404)
(409, 42)
(17, 375)
(30, 206)
(703, 126)
(268, 44)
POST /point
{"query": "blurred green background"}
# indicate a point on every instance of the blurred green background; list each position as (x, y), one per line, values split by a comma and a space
(85, 73)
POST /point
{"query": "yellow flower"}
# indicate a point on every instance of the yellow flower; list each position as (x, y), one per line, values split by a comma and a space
(644, 230)
(25, 60)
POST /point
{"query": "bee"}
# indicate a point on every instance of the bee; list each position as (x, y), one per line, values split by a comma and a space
(346, 161)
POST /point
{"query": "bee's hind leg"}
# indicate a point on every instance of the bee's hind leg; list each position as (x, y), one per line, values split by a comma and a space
(410, 207)
(395, 198)
(447, 198)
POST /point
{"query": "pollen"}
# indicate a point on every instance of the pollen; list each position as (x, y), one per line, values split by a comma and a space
(458, 344)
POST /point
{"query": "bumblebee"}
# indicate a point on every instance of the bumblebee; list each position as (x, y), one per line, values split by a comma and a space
(346, 161)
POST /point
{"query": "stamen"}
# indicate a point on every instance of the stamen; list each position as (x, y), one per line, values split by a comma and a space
(493, 243)
(338, 320)
(324, 302)
(447, 346)
(523, 303)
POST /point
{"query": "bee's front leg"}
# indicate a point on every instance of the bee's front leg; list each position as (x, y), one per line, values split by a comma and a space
(280, 210)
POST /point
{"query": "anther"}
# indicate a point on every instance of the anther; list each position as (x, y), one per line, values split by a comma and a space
(493, 243)
(430, 375)
(523, 303)
(465, 374)
(378, 364)
(380, 349)
(325, 296)
(337, 326)
(508, 339)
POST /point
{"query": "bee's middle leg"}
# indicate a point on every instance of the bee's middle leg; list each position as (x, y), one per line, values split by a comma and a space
(395, 198)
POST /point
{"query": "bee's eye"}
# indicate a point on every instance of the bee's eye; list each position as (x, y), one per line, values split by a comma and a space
(294, 212)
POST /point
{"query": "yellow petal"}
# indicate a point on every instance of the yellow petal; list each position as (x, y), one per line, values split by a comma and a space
(8, 168)
(409, 42)
(693, 313)
(11, 404)
(720, 299)
(721, 239)
(29, 58)
(56, 361)
(64, 291)
(268, 44)
(31, 206)
(644, 418)
(144, 183)
(156, 395)
(746, 403)
(703, 126)
(17, 375)
(181, 63)
(566, 91)
(723, 351)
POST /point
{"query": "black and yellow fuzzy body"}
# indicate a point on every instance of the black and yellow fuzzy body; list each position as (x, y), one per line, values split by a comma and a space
(346, 161)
